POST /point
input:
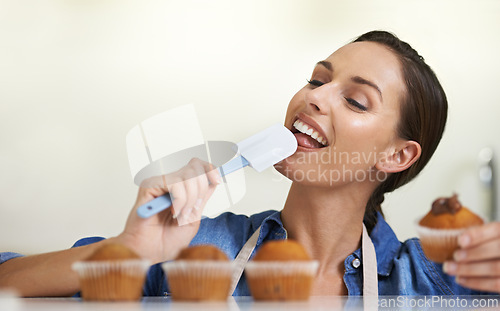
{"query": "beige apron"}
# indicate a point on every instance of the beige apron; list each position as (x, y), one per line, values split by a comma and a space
(370, 283)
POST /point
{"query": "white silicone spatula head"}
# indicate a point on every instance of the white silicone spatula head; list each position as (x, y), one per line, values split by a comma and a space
(268, 147)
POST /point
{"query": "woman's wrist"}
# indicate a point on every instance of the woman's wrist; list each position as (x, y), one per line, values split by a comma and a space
(146, 250)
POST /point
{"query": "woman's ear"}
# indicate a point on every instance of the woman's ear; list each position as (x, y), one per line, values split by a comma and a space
(401, 159)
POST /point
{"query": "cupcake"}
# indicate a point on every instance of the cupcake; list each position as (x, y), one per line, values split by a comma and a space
(201, 272)
(440, 227)
(112, 273)
(281, 270)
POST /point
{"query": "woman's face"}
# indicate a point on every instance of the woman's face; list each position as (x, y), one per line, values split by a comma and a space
(345, 119)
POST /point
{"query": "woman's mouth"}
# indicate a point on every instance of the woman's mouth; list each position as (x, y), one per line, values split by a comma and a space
(307, 136)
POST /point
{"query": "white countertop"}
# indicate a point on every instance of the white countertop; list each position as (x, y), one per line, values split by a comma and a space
(11, 303)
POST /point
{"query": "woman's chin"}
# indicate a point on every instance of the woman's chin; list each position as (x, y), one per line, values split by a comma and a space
(299, 172)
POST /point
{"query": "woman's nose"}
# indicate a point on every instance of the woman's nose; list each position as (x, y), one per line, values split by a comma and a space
(317, 100)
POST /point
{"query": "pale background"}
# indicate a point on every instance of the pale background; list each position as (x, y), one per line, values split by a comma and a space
(76, 75)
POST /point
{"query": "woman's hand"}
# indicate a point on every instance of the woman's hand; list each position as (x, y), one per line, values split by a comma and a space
(477, 262)
(160, 237)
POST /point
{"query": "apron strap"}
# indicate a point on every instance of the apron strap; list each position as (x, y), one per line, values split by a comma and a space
(241, 260)
(370, 280)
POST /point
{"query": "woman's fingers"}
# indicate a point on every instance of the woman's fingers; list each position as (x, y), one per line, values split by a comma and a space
(479, 235)
(202, 181)
(213, 174)
(192, 192)
(189, 189)
(486, 251)
(147, 194)
(178, 195)
(488, 284)
(476, 263)
(197, 180)
(489, 268)
(210, 173)
(478, 275)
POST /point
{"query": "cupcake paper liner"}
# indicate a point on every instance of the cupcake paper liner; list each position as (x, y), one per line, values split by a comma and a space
(438, 244)
(111, 280)
(289, 280)
(199, 280)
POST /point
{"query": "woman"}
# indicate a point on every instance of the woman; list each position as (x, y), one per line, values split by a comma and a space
(367, 122)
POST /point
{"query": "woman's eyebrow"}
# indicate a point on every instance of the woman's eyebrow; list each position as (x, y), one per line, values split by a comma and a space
(325, 64)
(359, 80)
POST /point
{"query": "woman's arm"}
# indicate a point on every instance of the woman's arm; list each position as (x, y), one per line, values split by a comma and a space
(477, 263)
(158, 238)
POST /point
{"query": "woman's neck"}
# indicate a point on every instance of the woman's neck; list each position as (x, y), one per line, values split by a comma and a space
(327, 222)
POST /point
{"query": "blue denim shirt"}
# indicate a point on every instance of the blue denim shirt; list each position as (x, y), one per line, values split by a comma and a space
(402, 267)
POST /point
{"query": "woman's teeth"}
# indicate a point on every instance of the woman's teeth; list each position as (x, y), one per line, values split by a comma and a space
(304, 128)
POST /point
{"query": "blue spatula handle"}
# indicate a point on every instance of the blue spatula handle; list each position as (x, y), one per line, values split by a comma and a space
(163, 202)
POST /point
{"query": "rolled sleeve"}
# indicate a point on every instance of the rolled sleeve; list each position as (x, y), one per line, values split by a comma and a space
(8, 256)
(87, 241)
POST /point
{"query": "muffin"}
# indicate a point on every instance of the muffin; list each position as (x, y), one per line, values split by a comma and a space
(440, 227)
(112, 273)
(201, 272)
(281, 270)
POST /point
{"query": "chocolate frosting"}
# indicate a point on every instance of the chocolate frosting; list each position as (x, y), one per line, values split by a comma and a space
(446, 205)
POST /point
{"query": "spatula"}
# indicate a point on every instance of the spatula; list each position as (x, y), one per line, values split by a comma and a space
(259, 151)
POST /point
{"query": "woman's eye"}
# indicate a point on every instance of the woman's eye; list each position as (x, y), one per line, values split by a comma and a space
(315, 82)
(356, 104)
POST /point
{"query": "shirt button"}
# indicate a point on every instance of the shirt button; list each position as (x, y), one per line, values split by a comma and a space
(356, 263)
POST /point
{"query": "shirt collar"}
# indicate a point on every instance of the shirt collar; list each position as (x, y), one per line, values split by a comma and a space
(271, 227)
(384, 239)
(267, 220)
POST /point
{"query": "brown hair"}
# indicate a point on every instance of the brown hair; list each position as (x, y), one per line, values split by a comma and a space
(423, 115)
